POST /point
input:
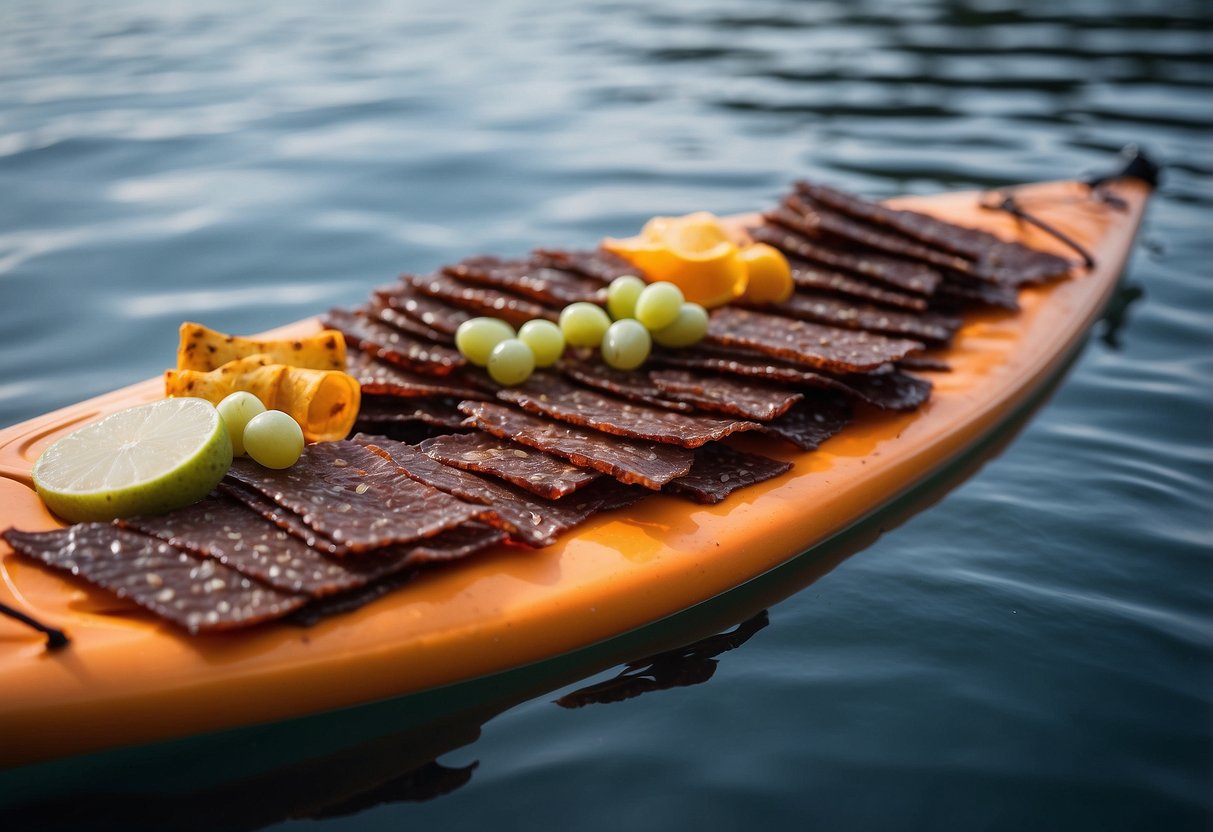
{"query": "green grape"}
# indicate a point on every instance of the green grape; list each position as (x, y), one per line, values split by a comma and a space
(511, 362)
(545, 340)
(626, 344)
(622, 294)
(584, 324)
(273, 439)
(236, 410)
(658, 305)
(690, 326)
(476, 337)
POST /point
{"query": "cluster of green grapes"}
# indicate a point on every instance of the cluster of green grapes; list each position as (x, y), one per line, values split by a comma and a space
(270, 437)
(643, 314)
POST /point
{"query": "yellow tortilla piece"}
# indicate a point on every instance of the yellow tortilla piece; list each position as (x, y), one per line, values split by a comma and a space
(204, 349)
(323, 402)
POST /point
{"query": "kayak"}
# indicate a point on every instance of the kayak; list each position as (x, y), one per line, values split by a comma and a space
(128, 680)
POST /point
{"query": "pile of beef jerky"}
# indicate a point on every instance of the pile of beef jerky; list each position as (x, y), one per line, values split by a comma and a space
(445, 463)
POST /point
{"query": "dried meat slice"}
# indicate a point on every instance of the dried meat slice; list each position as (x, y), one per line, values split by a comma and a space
(811, 422)
(930, 327)
(528, 519)
(808, 275)
(224, 529)
(383, 378)
(889, 390)
(355, 497)
(279, 516)
(924, 362)
(540, 473)
(815, 345)
(428, 311)
(965, 293)
(318, 609)
(781, 231)
(744, 363)
(720, 470)
(819, 219)
(199, 594)
(615, 494)
(995, 259)
(384, 312)
(744, 399)
(552, 396)
(630, 384)
(509, 307)
(454, 544)
(893, 391)
(393, 346)
(439, 412)
(600, 265)
(531, 278)
(634, 462)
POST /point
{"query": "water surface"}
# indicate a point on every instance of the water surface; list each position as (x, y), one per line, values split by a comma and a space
(1031, 652)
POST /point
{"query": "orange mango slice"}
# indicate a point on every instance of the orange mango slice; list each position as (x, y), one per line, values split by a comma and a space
(692, 252)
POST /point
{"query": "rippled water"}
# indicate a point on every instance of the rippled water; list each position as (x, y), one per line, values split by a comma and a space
(1031, 652)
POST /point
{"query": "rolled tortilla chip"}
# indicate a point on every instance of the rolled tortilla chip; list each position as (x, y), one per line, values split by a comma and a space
(323, 402)
(204, 349)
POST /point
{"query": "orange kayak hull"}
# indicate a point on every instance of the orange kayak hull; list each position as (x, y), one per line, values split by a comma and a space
(129, 679)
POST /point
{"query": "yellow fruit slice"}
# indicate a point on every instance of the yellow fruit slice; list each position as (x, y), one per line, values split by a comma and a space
(203, 349)
(143, 460)
(769, 277)
(324, 402)
(693, 252)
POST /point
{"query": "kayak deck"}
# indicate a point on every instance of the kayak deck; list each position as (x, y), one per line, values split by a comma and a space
(128, 678)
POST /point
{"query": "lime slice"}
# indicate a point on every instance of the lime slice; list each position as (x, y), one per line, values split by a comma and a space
(143, 460)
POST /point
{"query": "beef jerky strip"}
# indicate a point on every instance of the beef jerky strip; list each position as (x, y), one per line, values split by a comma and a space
(781, 230)
(429, 311)
(318, 609)
(811, 306)
(386, 379)
(924, 362)
(199, 594)
(550, 395)
(892, 390)
(808, 275)
(815, 345)
(896, 391)
(600, 265)
(1006, 262)
(630, 384)
(438, 412)
(530, 278)
(811, 422)
(231, 533)
(509, 307)
(283, 518)
(745, 364)
(355, 497)
(734, 396)
(380, 310)
(441, 546)
(821, 220)
(720, 470)
(393, 346)
(615, 494)
(450, 545)
(540, 473)
(962, 293)
(528, 519)
(649, 464)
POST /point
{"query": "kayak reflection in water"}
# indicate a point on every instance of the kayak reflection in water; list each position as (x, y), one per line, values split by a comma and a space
(690, 665)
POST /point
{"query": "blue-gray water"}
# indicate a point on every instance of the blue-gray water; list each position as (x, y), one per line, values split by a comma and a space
(1033, 652)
